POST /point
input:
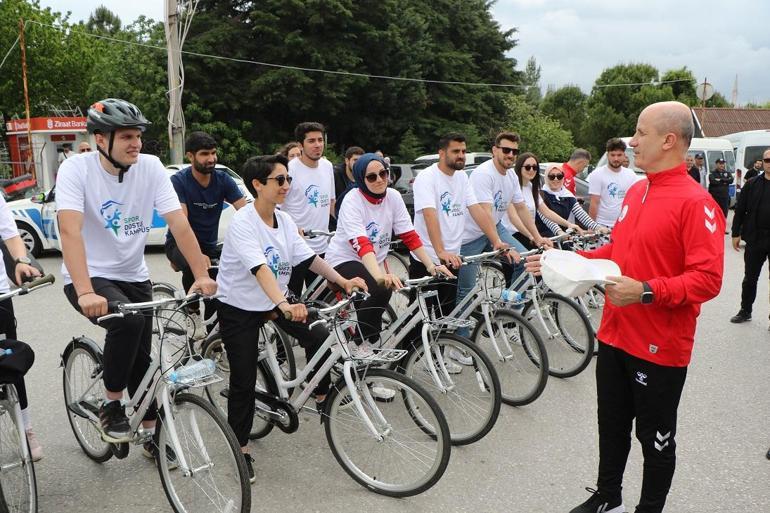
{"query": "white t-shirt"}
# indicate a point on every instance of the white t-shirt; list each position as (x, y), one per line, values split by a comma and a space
(309, 197)
(450, 197)
(7, 231)
(491, 187)
(611, 187)
(249, 242)
(527, 197)
(361, 218)
(117, 217)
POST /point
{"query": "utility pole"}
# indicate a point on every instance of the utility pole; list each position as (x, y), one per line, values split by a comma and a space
(23, 46)
(175, 115)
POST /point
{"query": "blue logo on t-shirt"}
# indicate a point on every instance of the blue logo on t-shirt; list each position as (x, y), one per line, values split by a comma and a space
(498, 201)
(612, 188)
(111, 214)
(275, 263)
(446, 202)
(312, 193)
(373, 230)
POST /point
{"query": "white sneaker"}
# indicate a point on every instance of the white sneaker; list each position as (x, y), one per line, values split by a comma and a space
(382, 393)
(35, 449)
(362, 350)
(460, 357)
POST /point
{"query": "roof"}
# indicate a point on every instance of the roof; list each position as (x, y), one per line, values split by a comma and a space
(716, 122)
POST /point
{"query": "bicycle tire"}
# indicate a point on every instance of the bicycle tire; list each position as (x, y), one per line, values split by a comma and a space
(76, 379)
(522, 364)
(207, 437)
(341, 417)
(476, 388)
(570, 345)
(19, 485)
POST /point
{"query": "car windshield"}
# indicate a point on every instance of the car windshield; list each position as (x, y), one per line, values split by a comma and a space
(752, 154)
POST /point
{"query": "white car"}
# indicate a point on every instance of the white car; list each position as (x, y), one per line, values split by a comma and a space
(37, 224)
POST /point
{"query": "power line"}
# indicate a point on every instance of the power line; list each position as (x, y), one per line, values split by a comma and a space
(334, 72)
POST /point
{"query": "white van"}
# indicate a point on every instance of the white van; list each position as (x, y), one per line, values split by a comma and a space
(748, 147)
(712, 149)
(471, 159)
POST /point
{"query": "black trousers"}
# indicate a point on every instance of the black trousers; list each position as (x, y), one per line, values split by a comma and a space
(8, 330)
(723, 200)
(128, 341)
(369, 312)
(754, 257)
(301, 277)
(630, 388)
(240, 332)
(177, 258)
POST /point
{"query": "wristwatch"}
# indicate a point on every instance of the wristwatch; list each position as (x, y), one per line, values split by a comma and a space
(647, 296)
(23, 260)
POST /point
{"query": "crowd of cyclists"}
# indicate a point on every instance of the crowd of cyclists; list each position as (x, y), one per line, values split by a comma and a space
(106, 201)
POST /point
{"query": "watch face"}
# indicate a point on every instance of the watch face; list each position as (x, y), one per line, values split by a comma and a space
(647, 298)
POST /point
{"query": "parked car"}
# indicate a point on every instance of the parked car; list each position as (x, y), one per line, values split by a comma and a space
(748, 147)
(471, 159)
(38, 226)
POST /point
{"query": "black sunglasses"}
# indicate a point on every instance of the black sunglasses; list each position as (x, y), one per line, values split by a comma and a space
(371, 178)
(85, 149)
(530, 167)
(766, 161)
(556, 177)
(280, 180)
(508, 151)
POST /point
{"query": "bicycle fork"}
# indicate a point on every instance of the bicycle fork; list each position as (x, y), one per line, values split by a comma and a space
(350, 381)
(184, 466)
(486, 311)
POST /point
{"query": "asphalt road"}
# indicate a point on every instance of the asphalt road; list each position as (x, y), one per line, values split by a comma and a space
(537, 458)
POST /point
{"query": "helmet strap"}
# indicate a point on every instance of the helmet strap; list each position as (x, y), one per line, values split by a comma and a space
(108, 155)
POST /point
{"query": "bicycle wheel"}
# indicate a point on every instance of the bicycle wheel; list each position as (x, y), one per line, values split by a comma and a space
(212, 475)
(17, 472)
(566, 333)
(83, 392)
(518, 356)
(470, 399)
(398, 265)
(217, 392)
(174, 321)
(403, 460)
(592, 303)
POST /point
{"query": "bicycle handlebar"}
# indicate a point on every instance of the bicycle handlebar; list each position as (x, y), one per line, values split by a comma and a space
(312, 234)
(331, 311)
(118, 309)
(29, 286)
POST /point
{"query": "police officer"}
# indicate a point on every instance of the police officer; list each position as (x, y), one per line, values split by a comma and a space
(719, 185)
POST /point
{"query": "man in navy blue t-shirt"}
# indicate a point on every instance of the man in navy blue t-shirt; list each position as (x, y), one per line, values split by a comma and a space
(202, 191)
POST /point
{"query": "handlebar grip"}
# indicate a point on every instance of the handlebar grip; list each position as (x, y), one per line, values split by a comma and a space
(113, 306)
(48, 278)
(287, 315)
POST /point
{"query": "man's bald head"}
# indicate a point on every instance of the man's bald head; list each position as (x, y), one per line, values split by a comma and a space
(664, 131)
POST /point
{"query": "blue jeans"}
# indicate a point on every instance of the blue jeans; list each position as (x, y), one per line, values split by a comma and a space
(466, 278)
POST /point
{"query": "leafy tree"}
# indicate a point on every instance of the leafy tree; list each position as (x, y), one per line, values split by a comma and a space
(540, 134)
(103, 21)
(531, 79)
(567, 105)
(410, 147)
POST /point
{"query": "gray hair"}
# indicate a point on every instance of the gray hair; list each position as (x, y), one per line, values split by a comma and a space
(579, 154)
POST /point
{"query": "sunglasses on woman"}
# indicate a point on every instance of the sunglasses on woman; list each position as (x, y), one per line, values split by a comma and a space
(280, 180)
(556, 177)
(372, 177)
(529, 167)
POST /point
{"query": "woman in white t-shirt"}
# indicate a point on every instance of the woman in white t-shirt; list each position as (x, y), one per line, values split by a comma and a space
(528, 172)
(369, 216)
(261, 247)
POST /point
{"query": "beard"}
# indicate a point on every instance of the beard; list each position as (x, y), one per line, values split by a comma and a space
(202, 168)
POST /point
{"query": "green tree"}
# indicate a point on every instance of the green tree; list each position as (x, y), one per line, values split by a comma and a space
(567, 105)
(531, 79)
(103, 21)
(540, 134)
(409, 148)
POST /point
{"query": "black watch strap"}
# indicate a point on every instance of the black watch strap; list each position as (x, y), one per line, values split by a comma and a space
(647, 296)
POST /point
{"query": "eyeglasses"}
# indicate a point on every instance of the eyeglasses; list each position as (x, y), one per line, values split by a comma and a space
(530, 167)
(766, 161)
(85, 149)
(280, 180)
(508, 151)
(371, 178)
(556, 177)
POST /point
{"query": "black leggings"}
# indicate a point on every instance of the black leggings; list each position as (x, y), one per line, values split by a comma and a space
(128, 341)
(370, 311)
(240, 334)
(630, 388)
(8, 330)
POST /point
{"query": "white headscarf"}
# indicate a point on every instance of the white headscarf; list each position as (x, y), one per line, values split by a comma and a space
(560, 193)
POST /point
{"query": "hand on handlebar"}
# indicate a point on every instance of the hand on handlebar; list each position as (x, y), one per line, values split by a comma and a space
(25, 272)
(499, 246)
(204, 285)
(441, 269)
(577, 229)
(542, 242)
(297, 312)
(452, 260)
(391, 281)
(354, 283)
(93, 305)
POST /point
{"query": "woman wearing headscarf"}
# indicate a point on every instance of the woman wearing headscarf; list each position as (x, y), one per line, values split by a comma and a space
(368, 218)
(563, 203)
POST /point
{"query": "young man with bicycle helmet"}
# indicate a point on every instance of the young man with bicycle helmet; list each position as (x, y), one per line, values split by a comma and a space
(106, 202)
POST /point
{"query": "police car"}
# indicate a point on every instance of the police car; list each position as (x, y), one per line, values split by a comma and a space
(38, 227)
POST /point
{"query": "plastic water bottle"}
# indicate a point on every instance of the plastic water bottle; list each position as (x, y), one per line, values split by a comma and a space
(193, 371)
(5, 352)
(512, 296)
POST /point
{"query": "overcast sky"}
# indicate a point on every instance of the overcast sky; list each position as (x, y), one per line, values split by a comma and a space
(574, 40)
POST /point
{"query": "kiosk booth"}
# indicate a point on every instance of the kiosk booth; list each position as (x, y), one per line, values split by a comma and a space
(50, 135)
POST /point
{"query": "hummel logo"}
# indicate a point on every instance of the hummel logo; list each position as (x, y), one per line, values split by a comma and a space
(641, 378)
(712, 227)
(709, 213)
(661, 441)
(653, 348)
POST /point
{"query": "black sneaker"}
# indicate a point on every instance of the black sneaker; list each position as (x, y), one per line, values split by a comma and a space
(741, 316)
(597, 503)
(114, 423)
(250, 467)
(151, 451)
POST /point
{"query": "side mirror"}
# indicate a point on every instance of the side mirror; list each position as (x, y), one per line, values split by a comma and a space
(38, 198)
